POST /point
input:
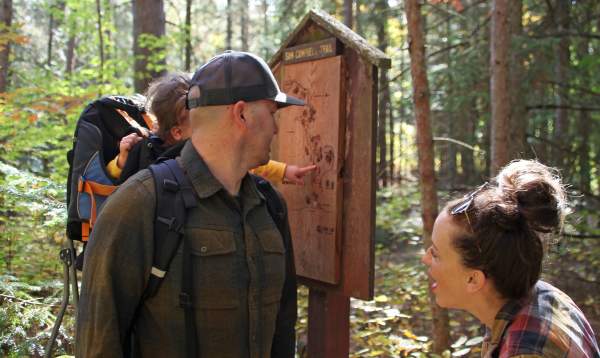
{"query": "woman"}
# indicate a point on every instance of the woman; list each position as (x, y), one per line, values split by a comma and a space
(486, 258)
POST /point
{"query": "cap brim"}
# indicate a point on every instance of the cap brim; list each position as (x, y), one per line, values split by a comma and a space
(283, 100)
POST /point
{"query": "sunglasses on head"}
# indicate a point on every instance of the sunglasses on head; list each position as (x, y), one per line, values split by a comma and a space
(464, 205)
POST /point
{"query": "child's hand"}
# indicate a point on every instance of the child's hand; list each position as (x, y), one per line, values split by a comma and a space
(125, 146)
(294, 174)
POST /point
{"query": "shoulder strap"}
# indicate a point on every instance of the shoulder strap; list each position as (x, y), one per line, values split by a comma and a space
(274, 204)
(174, 196)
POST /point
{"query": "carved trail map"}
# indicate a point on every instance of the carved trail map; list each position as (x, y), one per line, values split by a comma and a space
(312, 134)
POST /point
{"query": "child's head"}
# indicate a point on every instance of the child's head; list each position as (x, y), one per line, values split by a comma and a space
(166, 99)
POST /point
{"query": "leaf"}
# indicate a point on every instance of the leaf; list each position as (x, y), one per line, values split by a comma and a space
(394, 312)
(382, 298)
(473, 341)
(461, 352)
(459, 342)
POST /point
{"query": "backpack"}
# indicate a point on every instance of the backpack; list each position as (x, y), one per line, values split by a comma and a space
(98, 132)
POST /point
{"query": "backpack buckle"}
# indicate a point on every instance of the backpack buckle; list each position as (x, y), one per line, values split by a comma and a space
(170, 185)
(172, 224)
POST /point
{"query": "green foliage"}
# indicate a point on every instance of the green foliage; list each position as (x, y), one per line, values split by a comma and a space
(31, 224)
(398, 218)
(27, 316)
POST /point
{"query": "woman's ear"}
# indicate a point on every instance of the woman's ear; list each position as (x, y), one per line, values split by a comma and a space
(475, 281)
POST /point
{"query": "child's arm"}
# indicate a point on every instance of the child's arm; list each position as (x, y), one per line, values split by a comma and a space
(115, 166)
(279, 172)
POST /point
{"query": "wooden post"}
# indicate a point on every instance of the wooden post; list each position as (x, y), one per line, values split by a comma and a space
(328, 324)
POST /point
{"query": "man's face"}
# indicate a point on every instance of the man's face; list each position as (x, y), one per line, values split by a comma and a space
(260, 122)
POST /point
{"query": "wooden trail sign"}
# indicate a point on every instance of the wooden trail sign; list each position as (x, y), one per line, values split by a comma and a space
(332, 216)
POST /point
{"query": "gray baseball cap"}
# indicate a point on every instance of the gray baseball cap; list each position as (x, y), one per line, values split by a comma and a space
(236, 76)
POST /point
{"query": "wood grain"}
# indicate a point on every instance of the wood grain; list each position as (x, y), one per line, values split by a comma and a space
(313, 134)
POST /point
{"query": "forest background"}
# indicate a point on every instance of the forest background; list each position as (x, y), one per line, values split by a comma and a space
(505, 79)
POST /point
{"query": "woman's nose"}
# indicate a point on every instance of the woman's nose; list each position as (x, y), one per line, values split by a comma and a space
(425, 258)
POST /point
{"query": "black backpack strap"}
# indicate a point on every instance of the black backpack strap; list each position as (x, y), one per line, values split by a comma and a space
(174, 196)
(274, 203)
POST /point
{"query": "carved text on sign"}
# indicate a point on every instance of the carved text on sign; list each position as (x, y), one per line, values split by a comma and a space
(312, 51)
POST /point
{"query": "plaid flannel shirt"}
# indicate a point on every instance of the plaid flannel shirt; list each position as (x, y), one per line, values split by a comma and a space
(546, 324)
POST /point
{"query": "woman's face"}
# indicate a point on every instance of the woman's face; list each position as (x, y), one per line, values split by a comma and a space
(449, 277)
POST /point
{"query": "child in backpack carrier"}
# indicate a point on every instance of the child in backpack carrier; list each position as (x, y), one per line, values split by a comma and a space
(166, 104)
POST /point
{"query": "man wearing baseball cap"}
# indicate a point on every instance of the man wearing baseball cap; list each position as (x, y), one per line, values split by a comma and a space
(243, 296)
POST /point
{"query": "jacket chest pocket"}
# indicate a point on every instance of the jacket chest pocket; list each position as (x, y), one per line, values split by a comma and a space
(273, 259)
(217, 278)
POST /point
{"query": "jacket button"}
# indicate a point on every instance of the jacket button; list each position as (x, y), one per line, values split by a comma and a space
(203, 249)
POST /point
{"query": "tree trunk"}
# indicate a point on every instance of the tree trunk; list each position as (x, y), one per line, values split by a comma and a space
(429, 201)
(348, 20)
(584, 125)
(265, 6)
(69, 51)
(70, 54)
(229, 26)
(50, 37)
(386, 90)
(466, 155)
(518, 113)
(149, 22)
(6, 13)
(561, 124)
(244, 24)
(188, 35)
(384, 99)
(357, 18)
(449, 155)
(500, 101)
(400, 125)
(100, 41)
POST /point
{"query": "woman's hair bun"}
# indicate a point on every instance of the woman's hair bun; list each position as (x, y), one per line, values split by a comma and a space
(537, 192)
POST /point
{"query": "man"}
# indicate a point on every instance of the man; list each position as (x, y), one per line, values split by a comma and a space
(244, 298)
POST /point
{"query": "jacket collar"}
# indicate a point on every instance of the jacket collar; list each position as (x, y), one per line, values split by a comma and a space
(205, 184)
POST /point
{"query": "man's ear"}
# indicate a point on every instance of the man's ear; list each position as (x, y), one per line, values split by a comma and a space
(238, 113)
(476, 280)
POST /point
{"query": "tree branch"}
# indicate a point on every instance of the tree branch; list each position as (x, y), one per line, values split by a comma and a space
(566, 34)
(578, 88)
(463, 144)
(555, 106)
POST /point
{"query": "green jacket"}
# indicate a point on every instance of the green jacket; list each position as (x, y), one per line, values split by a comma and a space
(240, 267)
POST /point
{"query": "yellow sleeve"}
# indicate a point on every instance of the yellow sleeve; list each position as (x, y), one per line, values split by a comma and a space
(113, 169)
(272, 171)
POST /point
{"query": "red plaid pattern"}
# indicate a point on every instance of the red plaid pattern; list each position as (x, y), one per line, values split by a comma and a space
(546, 324)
